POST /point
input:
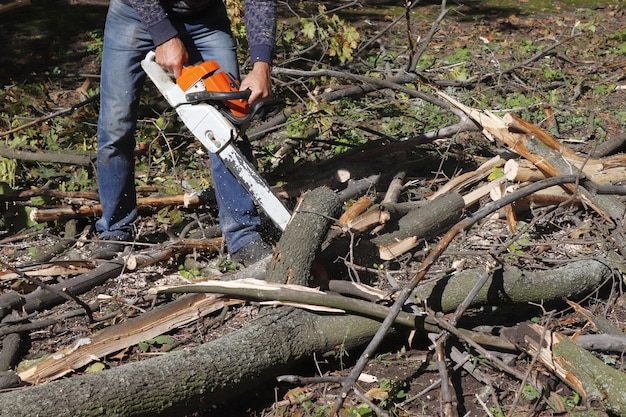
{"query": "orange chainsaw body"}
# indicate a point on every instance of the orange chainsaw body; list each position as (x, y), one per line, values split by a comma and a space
(213, 80)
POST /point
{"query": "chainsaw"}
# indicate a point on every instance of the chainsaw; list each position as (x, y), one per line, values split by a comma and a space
(212, 107)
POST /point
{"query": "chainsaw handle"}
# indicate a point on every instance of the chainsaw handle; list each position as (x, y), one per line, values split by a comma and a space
(260, 109)
(199, 96)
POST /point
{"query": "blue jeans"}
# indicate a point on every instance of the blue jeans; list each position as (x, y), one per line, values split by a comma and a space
(126, 43)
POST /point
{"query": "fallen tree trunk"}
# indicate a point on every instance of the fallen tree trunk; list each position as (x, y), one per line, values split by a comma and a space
(514, 286)
(198, 378)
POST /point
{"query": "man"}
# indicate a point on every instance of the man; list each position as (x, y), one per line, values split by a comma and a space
(180, 32)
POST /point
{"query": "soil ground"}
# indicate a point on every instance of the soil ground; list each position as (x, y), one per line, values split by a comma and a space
(404, 368)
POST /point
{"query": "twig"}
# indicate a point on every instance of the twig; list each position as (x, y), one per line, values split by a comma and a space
(435, 27)
(367, 44)
(436, 383)
(379, 412)
(446, 394)
(487, 354)
(394, 83)
(533, 58)
(425, 266)
(305, 380)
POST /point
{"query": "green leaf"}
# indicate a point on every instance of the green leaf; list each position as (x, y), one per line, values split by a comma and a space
(308, 29)
(497, 172)
(164, 340)
(95, 367)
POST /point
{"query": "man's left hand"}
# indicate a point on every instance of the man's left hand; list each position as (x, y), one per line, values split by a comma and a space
(259, 82)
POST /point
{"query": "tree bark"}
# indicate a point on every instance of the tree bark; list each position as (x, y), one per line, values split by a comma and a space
(514, 286)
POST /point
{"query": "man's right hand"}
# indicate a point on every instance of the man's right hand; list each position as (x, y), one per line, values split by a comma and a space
(172, 55)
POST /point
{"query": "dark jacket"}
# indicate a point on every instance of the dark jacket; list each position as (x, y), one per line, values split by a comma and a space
(259, 17)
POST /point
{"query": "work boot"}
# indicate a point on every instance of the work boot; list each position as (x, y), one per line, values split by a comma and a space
(107, 248)
(251, 253)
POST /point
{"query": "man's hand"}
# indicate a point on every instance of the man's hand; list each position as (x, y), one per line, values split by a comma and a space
(172, 55)
(258, 81)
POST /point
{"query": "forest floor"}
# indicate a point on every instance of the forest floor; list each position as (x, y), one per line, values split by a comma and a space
(37, 53)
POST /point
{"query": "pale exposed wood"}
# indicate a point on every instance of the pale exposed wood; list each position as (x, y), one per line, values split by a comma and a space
(369, 219)
(395, 188)
(475, 195)
(397, 248)
(463, 181)
(523, 170)
(300, 296)
(511, 218)
(50, 269)
(355, 210)
(547, 153)
(115, 338)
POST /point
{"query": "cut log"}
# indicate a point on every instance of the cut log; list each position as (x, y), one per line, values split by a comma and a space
(514, 286)
(421, 223)
(523, 170)
(162, 254)
(355, 210)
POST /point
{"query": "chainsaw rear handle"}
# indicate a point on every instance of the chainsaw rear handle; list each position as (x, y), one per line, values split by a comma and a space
(218, 96)
(260, 109)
